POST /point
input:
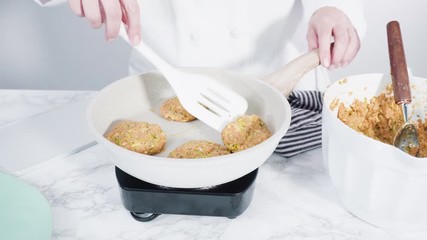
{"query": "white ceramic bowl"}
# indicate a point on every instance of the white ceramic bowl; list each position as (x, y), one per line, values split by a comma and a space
(139, 98)
(375, 181)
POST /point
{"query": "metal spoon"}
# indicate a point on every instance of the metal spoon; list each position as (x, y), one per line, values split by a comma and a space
(406, 138)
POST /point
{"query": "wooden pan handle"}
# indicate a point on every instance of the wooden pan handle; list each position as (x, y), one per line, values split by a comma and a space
(287, 77)
(399, 70)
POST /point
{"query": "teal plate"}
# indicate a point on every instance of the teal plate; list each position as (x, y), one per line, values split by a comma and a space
(24, 212)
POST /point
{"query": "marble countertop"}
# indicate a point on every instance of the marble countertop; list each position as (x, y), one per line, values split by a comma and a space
(293, 198)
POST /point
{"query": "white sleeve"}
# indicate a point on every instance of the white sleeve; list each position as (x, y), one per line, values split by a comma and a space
(353, 9)
(48, 3)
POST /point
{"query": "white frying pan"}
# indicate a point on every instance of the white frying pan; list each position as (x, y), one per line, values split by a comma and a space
(139, 98)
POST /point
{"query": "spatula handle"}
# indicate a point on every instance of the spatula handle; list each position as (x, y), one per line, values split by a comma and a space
(399, 70)
(165, 68)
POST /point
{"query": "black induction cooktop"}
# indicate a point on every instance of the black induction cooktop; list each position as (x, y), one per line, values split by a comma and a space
(146, 201)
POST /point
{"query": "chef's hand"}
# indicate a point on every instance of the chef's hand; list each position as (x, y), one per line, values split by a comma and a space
(111, 13)
(328, 22)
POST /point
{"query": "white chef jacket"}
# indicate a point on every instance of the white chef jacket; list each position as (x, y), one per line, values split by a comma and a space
(254, 37)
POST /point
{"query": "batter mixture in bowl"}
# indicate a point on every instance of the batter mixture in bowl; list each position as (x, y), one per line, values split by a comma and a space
(379, 118)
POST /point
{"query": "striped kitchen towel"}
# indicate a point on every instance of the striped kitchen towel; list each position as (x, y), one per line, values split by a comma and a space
(305, 131)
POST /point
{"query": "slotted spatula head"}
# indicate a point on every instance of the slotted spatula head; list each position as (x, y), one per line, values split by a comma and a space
(203, 96)
(208, 100)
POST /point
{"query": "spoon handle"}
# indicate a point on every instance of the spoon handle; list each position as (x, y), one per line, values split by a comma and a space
(399, 71)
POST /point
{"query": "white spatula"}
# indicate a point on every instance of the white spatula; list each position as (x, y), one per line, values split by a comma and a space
(205, 98)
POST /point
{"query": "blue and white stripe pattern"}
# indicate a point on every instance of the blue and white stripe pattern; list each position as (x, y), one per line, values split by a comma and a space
(305, 131)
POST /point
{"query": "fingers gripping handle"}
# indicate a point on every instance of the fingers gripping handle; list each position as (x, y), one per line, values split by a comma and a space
(399, 70)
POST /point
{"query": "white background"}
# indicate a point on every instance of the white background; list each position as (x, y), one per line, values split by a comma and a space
(50, 48)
